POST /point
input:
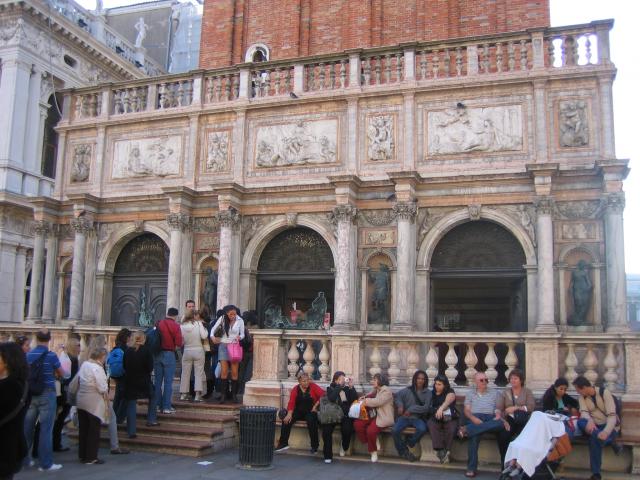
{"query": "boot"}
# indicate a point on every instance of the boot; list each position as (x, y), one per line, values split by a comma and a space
(234, 391)
(224, 386)
(209, 391)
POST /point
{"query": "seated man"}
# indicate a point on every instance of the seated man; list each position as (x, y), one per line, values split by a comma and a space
(303, 405)
(413, 407)
(483, 416)
(598, 420)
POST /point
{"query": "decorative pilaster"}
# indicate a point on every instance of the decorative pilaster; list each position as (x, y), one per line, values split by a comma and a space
(616, 281)
(49, 300)
(41, 229)
(343, 216)
(405, 213)
(546, 292)
(82, 226)
(178, 223)
(229, 221)
(19, 282)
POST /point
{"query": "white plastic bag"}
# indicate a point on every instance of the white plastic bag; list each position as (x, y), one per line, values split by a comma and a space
(354, 409)
(65, 364)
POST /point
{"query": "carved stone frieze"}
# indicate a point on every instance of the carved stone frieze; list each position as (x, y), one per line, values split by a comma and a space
(376, 218)
(144, 157)
(372, 237)
(217, 151)
(179, 221)
(525, 215)
(81, 163)
(229, 218)
(250, 226)
(474, 211)
(580, 209)
(573, 120)
(82, 225)
(405, 211)
(42, 228)
(380, 137)
(205, 224)
(427, 218)
(544, 205)
(13, 220)
(615, 202)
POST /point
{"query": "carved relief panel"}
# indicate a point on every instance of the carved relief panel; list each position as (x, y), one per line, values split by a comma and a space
(573, 133)
(379, 136)
(147, 157)
(580, 231)
(573, 123)
(217, 154)
(81, 163)
(377, 237)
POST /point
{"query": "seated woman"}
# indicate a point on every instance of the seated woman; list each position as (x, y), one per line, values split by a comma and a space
(443, 423)
(556, 399)
(340, 391)
(516, 403)
(380, 398)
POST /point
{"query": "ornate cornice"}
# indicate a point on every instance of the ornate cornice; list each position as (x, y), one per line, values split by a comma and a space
(405, 211)
(178, 221)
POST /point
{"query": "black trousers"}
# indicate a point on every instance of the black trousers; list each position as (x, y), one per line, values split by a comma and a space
(504, 437)
(88, 436)
(63, 410)
(312, 425)
(346, 431)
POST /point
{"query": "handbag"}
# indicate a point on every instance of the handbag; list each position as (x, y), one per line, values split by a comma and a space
(72, 391)
(235, 352)
(329, 412)
(520, 418)
(206, 346)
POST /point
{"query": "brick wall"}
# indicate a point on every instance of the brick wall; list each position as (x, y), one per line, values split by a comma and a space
(292, 28)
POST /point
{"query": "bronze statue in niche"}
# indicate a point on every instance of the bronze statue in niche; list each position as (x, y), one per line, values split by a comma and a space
(581, 290)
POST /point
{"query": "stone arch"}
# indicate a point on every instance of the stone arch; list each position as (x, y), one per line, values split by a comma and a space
(255, 48)
(118, 240)
(379, 251)
(447, 223)
(203, 258)
(567, 250)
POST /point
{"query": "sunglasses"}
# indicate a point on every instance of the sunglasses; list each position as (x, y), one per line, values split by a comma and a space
(483, 380)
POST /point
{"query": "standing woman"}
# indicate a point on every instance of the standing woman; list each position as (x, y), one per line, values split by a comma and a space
(92, 403)
(340, 391)
(13, 398)
(443, 423)
(380, 398)
(193, 333)
(228, 329)
(117, 354)
(138, 363)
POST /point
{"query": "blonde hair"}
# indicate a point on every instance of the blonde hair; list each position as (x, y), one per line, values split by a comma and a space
(139, 335)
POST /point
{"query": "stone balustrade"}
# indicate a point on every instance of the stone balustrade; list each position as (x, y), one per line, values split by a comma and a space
(545, 51)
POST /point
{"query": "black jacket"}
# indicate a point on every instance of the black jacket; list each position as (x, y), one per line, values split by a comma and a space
(333, 394)
(549, 402)
(138, 365)
(13, 446)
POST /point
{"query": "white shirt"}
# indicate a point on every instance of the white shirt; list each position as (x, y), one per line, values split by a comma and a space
(236, 330)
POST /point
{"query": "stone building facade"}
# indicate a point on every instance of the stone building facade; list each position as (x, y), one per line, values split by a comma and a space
(454, 205)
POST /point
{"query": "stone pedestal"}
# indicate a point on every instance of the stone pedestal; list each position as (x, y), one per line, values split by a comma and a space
(546, 291)
(347, 355)
(541, 362)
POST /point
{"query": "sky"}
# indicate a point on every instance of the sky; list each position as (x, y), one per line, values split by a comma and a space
(626, 98)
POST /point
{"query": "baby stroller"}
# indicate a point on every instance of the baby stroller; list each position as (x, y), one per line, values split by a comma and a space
(546, 432)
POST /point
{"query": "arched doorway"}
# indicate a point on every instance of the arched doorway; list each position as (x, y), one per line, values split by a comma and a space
(478, 280)
(295, 267)
(139, 296)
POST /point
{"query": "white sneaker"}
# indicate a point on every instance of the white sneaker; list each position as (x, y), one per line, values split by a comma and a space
(52, 468)
(374, 457)
(378, 447)
(327, 460)
(183, 396)
(342, 452)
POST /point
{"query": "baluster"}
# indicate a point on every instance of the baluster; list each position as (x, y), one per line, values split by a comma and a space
(218, 88)
(188, 92)
(485, 58)
(235, 85)
(435, 63)
(412, 359)
(375, 359)
(573, 51)
(590, 363)
(458, 61)
(470, 360)
(423, 65)
(399, 67)
(312, 82)
(447, 63)
(126, 101)
(172, 100)
(293, 356)
(451, 359)
(432, 362)
(180, 100)
(210, 89)
(276, 87)
(227, 87)
(367, 72)
(571, 362)
(491, 360)
(287, 80)
(511, 359)
(117, 102)
(511, 54)
(98, 104)
(387, 68)
(78, 106)
(135, 107)
(587, 47)
(563, 51)
(322, 75)
(394, 365)
(324, 368)
(308, 356)
(523, 54)
(93, 105)
(332, 75)
(378, 69)
(611, 364)
(267, 83)
(343, 73)
(499, 57)
(551, 51)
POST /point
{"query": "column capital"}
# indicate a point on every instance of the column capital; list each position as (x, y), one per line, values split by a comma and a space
(81, 225)
(229, 218)
(544, 205)
(178, 221)
(405, 211)
(41, 228)
(615, 202)
(343, 213)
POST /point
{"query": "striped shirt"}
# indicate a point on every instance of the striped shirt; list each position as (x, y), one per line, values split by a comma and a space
(485, 403)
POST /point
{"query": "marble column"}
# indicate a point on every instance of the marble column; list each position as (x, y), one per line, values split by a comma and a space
(19, 282)
(343, 217)
(178, 222)
(614, 250)
(546, 292)
(41, 229)
(229, 221)
(405, 213)
(89, 291)
(82, 226)
(49, 300)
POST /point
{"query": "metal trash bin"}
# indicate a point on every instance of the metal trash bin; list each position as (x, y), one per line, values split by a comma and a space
(257, 432)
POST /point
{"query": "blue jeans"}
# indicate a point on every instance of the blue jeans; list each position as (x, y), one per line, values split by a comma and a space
(42, 407)
(119, 402)
(400, 425)
(131, 417)
(474, 432)
(164, 369)
(595, 444)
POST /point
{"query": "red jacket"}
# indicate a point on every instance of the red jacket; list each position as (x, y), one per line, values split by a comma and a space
(315, 390)
(170, 334)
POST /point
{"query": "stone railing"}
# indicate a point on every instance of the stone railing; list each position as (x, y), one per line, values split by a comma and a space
(544, 51)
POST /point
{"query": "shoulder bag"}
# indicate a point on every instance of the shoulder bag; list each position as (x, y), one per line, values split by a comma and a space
(329, 412)
(19, 407)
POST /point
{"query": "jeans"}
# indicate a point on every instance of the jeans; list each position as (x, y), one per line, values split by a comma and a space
(119, 403)
(595, 444)
(42, 407)
(113, 428)
(474, 432)
(164, 369)
(400, 425)
(131, 417)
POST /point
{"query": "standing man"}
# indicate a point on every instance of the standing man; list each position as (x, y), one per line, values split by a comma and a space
(598, 420)
(412, 403)
(43, 405)
(189, 307)
(480, 409)
(164, 363)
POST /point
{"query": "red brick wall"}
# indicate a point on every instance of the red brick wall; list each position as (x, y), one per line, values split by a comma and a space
(292, 28)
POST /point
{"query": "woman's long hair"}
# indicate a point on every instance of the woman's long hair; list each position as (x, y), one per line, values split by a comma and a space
(15, 360)
(445, 381)
(227, 320)
(550, 393)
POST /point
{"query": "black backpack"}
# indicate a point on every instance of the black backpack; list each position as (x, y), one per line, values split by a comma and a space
(36, 378)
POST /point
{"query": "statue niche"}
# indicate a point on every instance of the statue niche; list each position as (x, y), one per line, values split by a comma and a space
(580, 291)
(379, 290)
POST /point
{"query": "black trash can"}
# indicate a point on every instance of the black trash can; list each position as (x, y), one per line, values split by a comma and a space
(257, 434)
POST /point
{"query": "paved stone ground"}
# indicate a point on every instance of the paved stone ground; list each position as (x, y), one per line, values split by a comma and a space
(152, 466)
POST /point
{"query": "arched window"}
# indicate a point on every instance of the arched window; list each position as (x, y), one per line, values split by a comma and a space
(50, 143)
(256, 53)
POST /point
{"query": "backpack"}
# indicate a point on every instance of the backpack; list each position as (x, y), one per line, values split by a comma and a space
(36, 378)
(154, 339)
(617, 401)
(115, 363)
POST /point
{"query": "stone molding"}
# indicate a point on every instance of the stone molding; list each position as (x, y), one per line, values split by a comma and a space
(405, 211)
(42, 228)
(474, 211)
(81, 225)
(179, 221)
(343, 213)
(229, 218)
(615, 202)
(544, 205)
